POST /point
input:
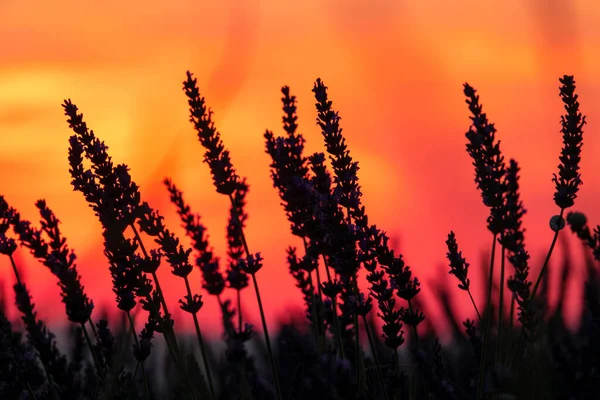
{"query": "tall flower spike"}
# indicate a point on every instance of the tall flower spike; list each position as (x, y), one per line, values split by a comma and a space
(59, 260)
(288, 168)
(345, 169)
(513, 235)
(224, 176)
(487, 160)
(236, 277)
(7, 245)
(235, 248)
(459, 267)
(214, 282)
(568, 180)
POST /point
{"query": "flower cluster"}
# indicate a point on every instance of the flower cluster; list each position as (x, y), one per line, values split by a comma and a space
(56, 255)
(487, 160)
(569, 179)
(223, 172)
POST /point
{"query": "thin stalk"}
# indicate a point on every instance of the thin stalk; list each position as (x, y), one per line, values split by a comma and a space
(239, 304)
(317, 323)
(539, 280)
(30, 391)
(501, 305)
(201, 342)
(396, 364)
(89, 342)
(512, 317)
(356, 330)
(168, 332)
(416, 334)
(137, 367)
(512, 311)
(359, 361)
(155, 278)
(268, 341)
(93, 327)
(336, 326)
(145, 377)
(545, 266)
(474, 305)
(16, 271)
(488, 323)
(137, 343)
(336, 321)
(320, 331)
(245, 388)
(260, 306)
(373, 350)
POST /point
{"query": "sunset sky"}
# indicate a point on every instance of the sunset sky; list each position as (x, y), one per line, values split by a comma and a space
(394, 69)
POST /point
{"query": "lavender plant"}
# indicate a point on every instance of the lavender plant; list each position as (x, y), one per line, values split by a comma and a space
(322, 199)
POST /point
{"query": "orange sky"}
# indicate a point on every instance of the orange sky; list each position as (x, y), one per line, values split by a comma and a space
(394, 69)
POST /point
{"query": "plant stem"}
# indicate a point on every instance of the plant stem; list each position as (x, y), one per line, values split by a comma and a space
(501, 305)
(15, 270)
(474, 305)
(239, 303)
(511, 321)
(336, 321)
(416, 334)
(336, 324)
(488, 323)
(260, 306)
(145, 377)
(539, 279)
(201, 342)
(30, 391)
(137, 343)
(548, 255)
(372, 346)
(320, 330)
(154, 276)
(268, 341)
(93, 327)
(317, 322)
(89, 342)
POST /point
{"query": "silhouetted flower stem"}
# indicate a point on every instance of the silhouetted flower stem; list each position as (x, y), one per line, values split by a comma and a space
(201, 342)
(91, 346)
(94, 332)
(372, 346)
(168, 332)
(559, 225)
(320, 331)
(547, 259)
(137, 343)
(500, 304)
(336, 321)
(488, 323)
(512, 311)
(156, 283)
(30, 391)
(360, 372)
(258, 298)
(15, 270)
(459, 267)
(316, 320)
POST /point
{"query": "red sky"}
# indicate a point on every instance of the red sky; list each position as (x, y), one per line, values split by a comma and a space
(394, 69)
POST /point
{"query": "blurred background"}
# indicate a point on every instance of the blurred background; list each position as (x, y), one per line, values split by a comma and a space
(394, 69)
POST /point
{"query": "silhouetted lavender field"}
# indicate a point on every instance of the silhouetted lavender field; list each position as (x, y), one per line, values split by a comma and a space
(517, 347)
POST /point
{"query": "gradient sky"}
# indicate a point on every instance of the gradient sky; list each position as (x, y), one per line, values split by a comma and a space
(394, 69)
